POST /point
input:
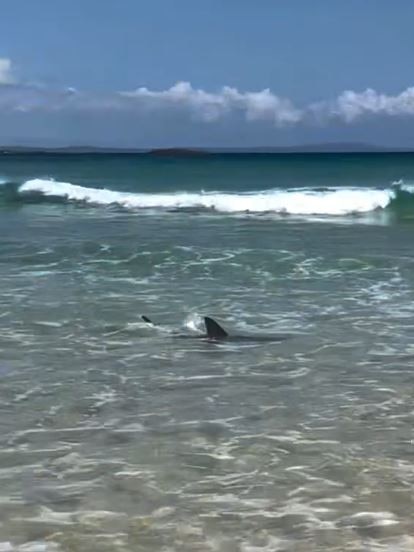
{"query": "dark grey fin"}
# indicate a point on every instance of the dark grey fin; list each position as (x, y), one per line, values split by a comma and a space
(214, 330)
(147, 320)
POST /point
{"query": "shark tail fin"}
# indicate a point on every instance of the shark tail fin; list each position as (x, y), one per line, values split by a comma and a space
(213, 329)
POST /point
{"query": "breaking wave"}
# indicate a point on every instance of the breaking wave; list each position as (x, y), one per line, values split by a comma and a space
(333, 201)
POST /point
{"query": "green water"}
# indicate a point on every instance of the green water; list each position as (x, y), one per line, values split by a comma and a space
(119, 436)
(214, 172)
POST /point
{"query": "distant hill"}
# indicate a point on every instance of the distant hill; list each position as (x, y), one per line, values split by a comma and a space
(186, 152)
(67, 149)
(340, 147)
(329, 147)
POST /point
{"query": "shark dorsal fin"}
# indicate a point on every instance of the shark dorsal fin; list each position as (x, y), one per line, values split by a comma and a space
(214, 330)
(147, 320)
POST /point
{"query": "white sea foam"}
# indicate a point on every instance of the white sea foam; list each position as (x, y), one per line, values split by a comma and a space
(32, 546)
(303, 201)
(370, 519)
(194, 322)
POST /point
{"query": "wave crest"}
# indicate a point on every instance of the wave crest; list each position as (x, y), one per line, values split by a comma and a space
(299, 201)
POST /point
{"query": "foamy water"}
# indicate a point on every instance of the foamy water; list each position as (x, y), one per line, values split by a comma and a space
(296, 202)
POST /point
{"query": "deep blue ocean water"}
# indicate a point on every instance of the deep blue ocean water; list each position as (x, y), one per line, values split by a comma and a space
(116, 435)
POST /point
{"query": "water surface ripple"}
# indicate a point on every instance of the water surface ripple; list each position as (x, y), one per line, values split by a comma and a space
(116, 436)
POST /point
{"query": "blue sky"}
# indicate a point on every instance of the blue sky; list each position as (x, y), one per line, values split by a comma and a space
(218, 73)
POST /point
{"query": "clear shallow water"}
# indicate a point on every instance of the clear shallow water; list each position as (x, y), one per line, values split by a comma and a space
(115, 435)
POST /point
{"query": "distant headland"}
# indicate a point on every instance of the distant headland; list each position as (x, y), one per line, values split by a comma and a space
(338, 147)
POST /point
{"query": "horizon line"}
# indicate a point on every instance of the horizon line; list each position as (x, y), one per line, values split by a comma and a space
(322, 147)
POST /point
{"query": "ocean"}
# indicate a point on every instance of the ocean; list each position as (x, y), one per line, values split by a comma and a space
(119, 435)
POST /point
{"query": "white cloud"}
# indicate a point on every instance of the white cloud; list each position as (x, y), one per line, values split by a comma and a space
(264, 105)
(351, 106)
(207, 106)
(6, 76)
(201, 105)
(211, 106)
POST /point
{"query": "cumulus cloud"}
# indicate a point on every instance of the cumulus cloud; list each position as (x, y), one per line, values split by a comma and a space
(205, 105)
(202, 105)
(264, 105)
(6, 76)
(210, 106)
(351, 105)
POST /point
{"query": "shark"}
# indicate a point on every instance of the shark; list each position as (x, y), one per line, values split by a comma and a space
(216, 333)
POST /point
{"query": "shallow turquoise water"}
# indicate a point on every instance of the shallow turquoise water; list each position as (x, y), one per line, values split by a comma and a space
(116, 435)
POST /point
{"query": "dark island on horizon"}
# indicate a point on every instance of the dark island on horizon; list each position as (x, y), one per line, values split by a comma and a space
(334, 147)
